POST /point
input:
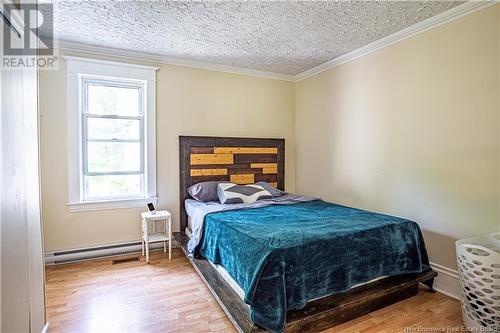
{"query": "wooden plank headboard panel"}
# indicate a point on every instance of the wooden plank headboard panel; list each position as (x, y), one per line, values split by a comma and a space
(239, 160)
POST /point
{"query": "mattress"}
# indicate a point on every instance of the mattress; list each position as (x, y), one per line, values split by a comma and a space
(190, 224)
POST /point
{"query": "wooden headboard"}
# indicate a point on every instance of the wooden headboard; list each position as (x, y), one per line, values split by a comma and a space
(239, 160)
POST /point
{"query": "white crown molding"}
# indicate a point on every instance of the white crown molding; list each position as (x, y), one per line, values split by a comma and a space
(133, 55)
(428, 24)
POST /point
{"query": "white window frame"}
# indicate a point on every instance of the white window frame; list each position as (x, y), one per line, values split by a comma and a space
(120, 83)
(83, 70)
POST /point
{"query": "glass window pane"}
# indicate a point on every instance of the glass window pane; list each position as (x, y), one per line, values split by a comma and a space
(105, 128)
(113, 156)
(106, 100)
(113, 186)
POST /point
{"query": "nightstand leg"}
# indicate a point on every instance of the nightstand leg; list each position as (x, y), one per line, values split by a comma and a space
(169, 238)
(142, 247)
(164, 247)
(147, 253)
(170, 249)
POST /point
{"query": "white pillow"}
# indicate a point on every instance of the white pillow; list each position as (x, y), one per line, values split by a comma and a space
(230, 193)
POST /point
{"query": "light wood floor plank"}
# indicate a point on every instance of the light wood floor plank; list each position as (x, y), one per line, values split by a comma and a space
(168, 296)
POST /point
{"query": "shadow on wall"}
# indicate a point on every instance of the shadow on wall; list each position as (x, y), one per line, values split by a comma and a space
(441, 249)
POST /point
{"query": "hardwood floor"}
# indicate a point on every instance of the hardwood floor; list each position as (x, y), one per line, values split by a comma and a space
(168, 296)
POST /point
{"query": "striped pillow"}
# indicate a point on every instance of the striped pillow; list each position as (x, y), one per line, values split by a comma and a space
(230, 193)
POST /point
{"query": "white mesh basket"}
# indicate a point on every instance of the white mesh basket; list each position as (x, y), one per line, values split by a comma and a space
(479, 268)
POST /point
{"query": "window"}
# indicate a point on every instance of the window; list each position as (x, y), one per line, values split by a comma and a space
(112, 140)
(112, 134)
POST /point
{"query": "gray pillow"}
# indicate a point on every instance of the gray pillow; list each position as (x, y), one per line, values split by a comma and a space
(274, 191)
(205, 191)
(230, 193)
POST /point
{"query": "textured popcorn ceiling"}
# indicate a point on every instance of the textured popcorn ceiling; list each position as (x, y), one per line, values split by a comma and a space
(281, 37)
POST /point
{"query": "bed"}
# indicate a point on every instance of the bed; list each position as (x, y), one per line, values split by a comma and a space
(316, 265)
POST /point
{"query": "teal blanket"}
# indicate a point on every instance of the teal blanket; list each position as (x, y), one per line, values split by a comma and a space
(284, 256)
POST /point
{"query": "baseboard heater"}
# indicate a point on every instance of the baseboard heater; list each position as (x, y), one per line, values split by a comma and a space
(95, 252)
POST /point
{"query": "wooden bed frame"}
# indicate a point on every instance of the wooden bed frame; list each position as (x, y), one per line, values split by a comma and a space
(248, 160)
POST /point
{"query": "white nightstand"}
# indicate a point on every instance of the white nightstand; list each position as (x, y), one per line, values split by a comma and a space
(156, 227)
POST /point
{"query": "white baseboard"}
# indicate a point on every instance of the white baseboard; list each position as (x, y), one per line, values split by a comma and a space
(447, 282)
(97, 252)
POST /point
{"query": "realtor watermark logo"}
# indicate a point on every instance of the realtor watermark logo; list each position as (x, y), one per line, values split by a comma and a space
(28, 39)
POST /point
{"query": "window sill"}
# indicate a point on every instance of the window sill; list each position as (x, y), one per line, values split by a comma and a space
(111, 204)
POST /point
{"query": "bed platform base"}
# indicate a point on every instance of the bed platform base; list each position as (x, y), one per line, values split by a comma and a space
(320, 314)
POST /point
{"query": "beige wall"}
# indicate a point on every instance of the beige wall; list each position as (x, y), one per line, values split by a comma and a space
(410, 130)
(189, 102)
